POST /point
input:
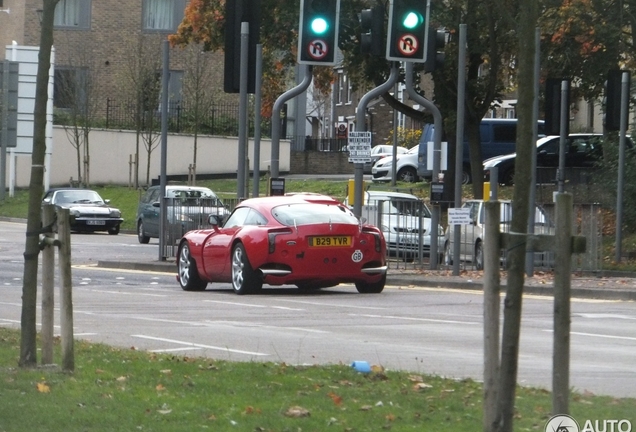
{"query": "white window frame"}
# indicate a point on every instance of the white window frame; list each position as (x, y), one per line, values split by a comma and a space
(73, 14)
(162, 15)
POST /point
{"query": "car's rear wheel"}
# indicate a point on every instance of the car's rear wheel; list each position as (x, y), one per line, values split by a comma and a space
(189, 278)
(466, 177)
(407, 174)
(141, 235)
(371, 288)
(244, 278)
(479, 256)
(114, 230)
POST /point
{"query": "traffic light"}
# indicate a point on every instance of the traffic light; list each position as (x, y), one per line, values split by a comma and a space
(435, 49)
(553, 106)
(318, 32)
(408, 30)
(613, 91)
(372, 36)
(236, 12)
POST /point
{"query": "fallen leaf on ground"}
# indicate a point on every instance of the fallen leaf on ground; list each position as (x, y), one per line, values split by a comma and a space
(297, 411)
(43, 388)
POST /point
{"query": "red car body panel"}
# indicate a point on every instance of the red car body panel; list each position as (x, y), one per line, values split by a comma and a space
(282, 253)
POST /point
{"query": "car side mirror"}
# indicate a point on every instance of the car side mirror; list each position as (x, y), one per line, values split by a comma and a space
(214, 220)
(107, 201)
(156, 204)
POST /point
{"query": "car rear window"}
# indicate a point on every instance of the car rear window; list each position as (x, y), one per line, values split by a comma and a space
(307, 214)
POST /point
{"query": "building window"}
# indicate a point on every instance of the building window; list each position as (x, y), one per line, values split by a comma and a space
(74, 14)
(340, 89)
(162, 15)
(348, 90)
(69, 91)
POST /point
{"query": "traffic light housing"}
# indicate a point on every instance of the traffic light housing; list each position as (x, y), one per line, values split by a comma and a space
(236, 12)
(318, 32)
(553, 106)
(435, 49)
(372, 34)
(408, 30)
(613, 90)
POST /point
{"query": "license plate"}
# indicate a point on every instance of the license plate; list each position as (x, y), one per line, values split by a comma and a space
(95, 222)
(330, 241)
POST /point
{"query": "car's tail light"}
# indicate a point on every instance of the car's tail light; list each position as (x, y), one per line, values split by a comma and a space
(376, 236)
(271, 237)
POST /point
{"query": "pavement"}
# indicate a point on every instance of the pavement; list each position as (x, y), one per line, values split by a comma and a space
(606, 285)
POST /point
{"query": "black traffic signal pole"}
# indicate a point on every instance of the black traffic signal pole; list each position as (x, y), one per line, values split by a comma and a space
(625, 84)
(437, 149)
(278, 105)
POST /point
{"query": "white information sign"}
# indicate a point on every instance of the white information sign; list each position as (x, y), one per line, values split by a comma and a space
(359, 146)
(459, 216)
(443, 162)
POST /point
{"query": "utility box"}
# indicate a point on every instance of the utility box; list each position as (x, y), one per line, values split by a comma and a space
(276, 186)
(351, 192)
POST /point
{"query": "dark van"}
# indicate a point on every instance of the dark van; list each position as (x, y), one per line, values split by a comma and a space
(498, 137)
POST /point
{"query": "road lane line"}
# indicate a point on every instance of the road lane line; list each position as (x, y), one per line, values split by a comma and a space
(416, 319)
(332, 305)
(235, 303)
(127, 293)
(174, 350)
(191, 344)
(598, 335)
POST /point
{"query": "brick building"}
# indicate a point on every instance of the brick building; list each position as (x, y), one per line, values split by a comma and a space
(107, 43)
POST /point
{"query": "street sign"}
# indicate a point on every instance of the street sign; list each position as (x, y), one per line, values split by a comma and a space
(459, 216)
(359, 146)
(318, 49)
(408, 44)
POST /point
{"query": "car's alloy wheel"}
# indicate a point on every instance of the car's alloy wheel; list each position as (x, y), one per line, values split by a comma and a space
(244, 278)
(407, 174)
(479, 256)
(371, 288)
(187, 270)
(141, 235)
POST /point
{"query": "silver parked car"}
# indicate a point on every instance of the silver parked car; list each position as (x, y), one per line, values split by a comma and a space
(400, 222)
(187, 208)
(472, 235)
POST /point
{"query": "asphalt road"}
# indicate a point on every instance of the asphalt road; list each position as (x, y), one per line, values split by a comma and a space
(424, 330)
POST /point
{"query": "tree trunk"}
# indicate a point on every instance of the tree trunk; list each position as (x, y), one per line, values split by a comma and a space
(28, 354)
(527, 17)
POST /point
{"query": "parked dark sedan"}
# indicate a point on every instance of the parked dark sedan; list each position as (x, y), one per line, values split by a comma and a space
(88, 211)
(583, 151)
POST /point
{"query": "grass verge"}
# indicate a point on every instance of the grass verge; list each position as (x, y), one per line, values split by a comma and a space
(127, 390)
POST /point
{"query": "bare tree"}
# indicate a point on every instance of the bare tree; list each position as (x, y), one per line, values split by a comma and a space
(28, 353)
(78, 99)
(198, 90)
(141, 78)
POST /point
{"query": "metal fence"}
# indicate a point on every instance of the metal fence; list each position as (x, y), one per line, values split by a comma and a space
(218, 119)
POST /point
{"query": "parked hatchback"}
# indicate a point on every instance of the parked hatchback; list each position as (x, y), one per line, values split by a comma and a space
(187, 208)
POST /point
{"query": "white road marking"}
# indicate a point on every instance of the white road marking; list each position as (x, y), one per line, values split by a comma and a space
(416, 319)
(11, 321)
(174, 350)
(598, 335)
(127, 293)
(225, 349)
(117, 270)
(332, 305)
(235, 303)
(609, 316)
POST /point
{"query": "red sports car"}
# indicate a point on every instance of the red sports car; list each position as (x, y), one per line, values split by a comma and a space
(311, 241)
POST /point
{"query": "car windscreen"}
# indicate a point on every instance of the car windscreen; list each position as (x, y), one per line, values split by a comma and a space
(189, 195)
(78, 197)
(307, 214)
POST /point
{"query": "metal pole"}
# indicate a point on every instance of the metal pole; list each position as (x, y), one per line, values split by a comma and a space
(459, 145)
(535, 137)
(361, 127)
(164, 147)
(48, 287)
(564, 119)
(621, 164)
(4, 132)
(257, 121)
(66, 290)
(242, 138)
(395, 138)
(278, 107)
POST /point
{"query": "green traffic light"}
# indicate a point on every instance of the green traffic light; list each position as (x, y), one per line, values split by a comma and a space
(412, 20)
(319, 25)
